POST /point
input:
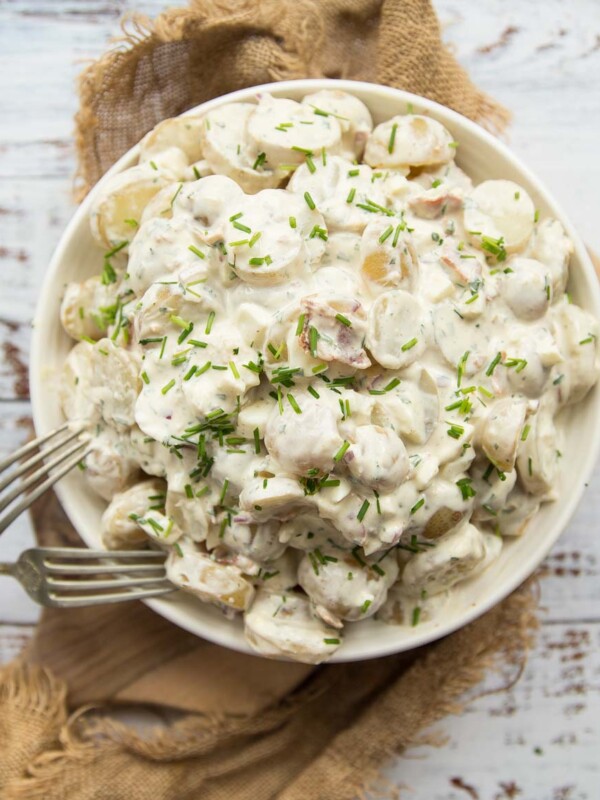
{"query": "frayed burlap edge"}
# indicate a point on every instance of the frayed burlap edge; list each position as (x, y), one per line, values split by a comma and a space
(141, 34)
(448, 668)
(295, 52)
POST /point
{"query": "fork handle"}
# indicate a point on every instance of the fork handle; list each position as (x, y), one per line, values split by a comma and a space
(6, 568)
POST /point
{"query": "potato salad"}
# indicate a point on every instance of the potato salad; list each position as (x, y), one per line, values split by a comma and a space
(321, 368)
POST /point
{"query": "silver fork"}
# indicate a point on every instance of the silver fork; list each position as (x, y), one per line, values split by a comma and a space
(68, 577)
(67, 448)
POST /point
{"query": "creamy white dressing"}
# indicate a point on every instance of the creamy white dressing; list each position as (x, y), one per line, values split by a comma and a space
(348, 383)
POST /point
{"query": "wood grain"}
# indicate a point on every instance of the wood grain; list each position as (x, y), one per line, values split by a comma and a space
(541, 740)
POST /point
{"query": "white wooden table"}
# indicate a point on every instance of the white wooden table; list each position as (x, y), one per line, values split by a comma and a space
(541, 741)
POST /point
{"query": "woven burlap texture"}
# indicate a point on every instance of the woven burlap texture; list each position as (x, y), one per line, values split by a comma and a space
(188, 56)
(254, 729)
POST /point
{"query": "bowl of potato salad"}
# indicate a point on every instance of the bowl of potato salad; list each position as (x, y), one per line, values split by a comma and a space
(334, 348)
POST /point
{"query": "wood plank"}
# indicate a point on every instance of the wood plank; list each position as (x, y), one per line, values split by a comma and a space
(13, 639)
(33, 214)
(538, 741)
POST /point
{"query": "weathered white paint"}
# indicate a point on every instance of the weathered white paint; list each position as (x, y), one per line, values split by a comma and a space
(541, 740)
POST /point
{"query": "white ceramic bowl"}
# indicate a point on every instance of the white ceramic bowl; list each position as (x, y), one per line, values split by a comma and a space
(482, 156)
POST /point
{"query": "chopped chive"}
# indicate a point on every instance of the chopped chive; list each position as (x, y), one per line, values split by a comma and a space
(320, 232)
(253, 367)
(293, 403)
(223, 491)
(180, 358)
(518, 363)
(417, 505)
(409, 345)
(162, 347)
(167, 387)
(461, 366)
(416, 616)
(392, 138)
(314, 392)
(256, 441)
(145, 377)
(234, 369)
(260, 160)
(116, 249)
(108, 273)
(179, 188)
(319, 368)
(332, 641)
(240, 227)
(487, 473)
(466, 490)
(588, 340)
(189, 492)
(322, 113)
(313, 335)
(386, 234)
(309, 201)
(196, 172)
(181, 323)
(254, 239)
(340, 453)
(363, 510)
(293, 222)
(453, 406)
(209, 322)
(153, 165)
(310, 164)
(303, 150)
(192, 248)
(351, 195)
(133, 223)
(344, 320)
(300, 325)
(455, 431)
(493, 364)
(485, 392)
(190, 373)
(196, 343)
(238, 243)
(204, 368)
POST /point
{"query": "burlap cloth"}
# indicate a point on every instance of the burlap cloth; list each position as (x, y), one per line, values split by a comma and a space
(256, 729)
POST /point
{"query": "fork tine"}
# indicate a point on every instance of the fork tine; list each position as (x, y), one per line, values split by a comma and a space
(27, 465)
(83, 552)
(92, 569)
(27, 448)
(40, 473)
(6, 520)
(74, 601)
(71, 585)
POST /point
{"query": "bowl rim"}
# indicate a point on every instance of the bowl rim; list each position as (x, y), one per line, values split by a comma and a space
(381, 646)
